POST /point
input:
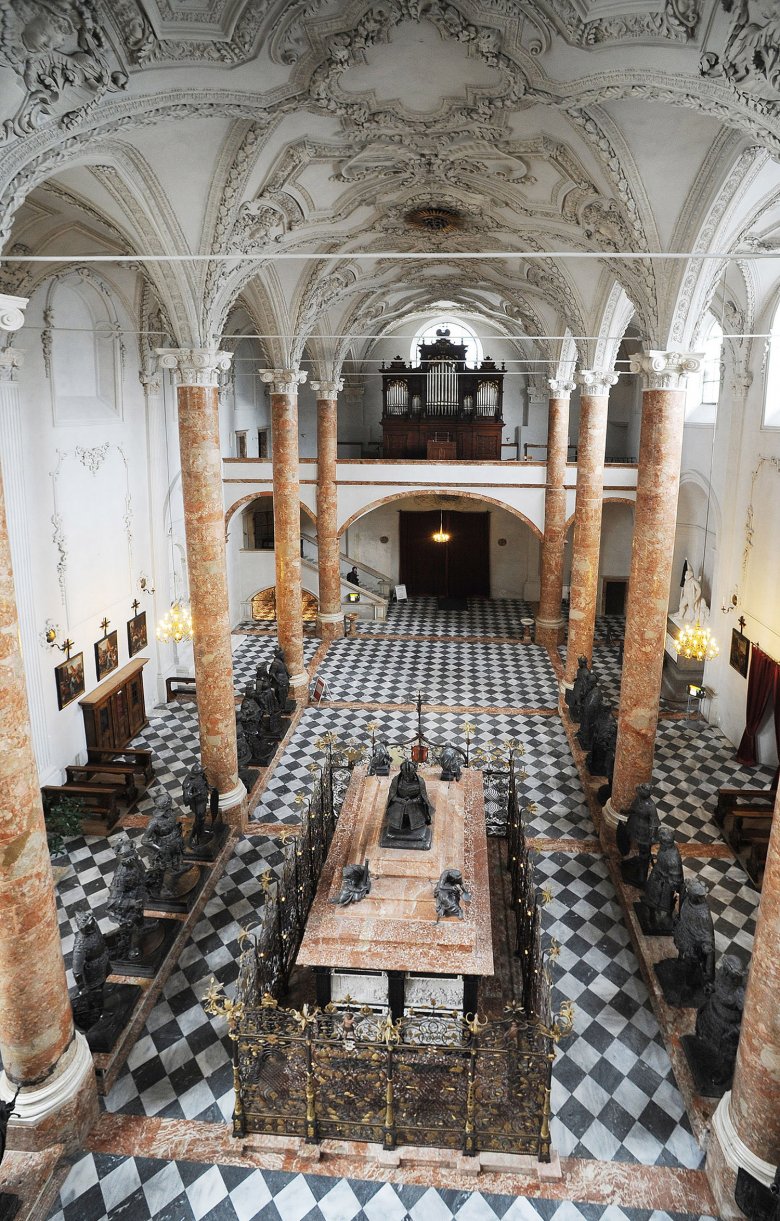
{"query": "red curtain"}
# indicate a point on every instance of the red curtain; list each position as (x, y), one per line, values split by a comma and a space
(762, 686)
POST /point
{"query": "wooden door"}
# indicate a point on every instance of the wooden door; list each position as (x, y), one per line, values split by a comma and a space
(457, 569)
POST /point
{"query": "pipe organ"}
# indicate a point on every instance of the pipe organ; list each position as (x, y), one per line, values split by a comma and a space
(442, 409)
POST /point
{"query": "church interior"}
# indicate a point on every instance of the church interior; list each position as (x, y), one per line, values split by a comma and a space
(389, 610)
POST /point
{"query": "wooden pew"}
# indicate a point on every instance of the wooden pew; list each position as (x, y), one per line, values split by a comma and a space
(100, 801)
(178, 685)
(139, 756)
(120, 774)
(744, 803)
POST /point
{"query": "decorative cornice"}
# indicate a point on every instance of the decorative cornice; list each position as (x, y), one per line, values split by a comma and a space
(328, 390)
(665, 370)
(12, 312)
(10, 363)
(194, 366)
(283, 381)
(595, 382)
(559, 389)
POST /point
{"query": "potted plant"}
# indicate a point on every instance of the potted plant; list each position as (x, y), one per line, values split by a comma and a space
(63, 817)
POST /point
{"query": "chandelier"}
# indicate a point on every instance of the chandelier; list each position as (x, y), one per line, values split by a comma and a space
(696, 643)
(441, 535)
(175, 625)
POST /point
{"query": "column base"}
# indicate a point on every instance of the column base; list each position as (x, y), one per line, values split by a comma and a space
(611, 816)
(726, 1153)
(299, 688)
(232, 805)
(330, 626)
(549, 632)
(62, 1109)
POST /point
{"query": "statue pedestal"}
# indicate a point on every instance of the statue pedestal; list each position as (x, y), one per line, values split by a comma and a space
(706, 1067)
(118, 1004)
(679, 673)
(681, 983)
(661, 928)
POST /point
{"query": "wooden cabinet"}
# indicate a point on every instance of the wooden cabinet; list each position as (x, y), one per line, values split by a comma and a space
(115, 712)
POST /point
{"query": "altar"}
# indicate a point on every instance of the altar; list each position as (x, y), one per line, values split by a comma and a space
(389, 950)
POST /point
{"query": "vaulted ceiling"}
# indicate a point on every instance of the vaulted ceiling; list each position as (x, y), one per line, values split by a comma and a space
(273, 133)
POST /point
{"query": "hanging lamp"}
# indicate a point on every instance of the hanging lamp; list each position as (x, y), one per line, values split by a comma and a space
(441, 535)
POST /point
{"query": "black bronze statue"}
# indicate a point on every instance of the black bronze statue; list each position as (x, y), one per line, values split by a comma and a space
(91, 968)
(601, 756)
(663, 888)
(579, 688)
(355, 884)
(641, 829)
(244, 752)
(195, 795)
(269, 706)
(591, 706)
(448, 892)
(7, 1109)
(451, 765)
(279, 677)
(712, 1050)
(127, 897)
(379, 764)
(685, 978)
(409, 811)
(165, 842)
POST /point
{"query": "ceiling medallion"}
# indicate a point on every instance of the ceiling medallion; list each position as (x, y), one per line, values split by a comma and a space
(434, 220)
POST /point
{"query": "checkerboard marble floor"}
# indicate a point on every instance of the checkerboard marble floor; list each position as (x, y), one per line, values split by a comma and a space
(422, 617)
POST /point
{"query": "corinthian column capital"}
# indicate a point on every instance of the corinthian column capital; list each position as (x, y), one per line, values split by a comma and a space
(283, 381)
(328, 390)
(12, 312)
(194, 366)
(665, 370)
(559, 389)
(595, 382)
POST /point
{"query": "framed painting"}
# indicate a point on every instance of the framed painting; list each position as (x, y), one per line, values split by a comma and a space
(69, 676)
(106, 655)
(739, 655)
(136, 634)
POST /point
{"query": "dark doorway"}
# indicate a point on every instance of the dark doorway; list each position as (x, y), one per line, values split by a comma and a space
(459, 568)
(615, 597)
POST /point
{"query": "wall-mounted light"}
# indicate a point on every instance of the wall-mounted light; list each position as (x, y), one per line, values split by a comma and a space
(144, 586)
(353, 597)
(731, 603)
(49, 637)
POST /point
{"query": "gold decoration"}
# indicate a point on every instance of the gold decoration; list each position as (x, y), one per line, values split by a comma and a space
(696, 642)
(175, 625)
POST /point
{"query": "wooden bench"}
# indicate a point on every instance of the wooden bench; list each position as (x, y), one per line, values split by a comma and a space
(744, 801)
(120, 774)
(179, 685)
(100, 801)
(139, 756)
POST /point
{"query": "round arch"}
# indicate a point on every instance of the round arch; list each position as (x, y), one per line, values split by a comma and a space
(245, 500)
(453, 495)
(608, 500)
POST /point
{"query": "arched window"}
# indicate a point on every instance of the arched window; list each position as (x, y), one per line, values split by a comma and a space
(701, 405)
(772, 376)
(459, 333)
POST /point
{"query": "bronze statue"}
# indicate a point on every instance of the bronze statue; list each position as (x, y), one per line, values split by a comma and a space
(244, 752)
(165, 842)
(450, 760)
(279, 677)
(685, 979)
(195, 795)
(380, 760)
(7, 1109)
(641, 828)
(718, 1019)
(409, 811)
(664, 886)
(601, 756)
(127, 897)
(269, 706)
(591, 706)
(579, 688)
(91, 968)
(448, 892)
(355, 884)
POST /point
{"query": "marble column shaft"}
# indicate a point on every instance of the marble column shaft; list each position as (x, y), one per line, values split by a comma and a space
(549, 620)
(204, 527)
(652, 553)
(287, 524)
(330, 619)
(591, 447)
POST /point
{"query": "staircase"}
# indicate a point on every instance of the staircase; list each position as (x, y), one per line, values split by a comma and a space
(374, 588)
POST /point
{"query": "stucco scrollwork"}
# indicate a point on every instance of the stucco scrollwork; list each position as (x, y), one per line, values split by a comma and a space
(11, 312)
(751, 56)
(328, 389)
(54, 49)
(595, 382)
(559, 389)
(772, 462)
(283, 381)
(665, 370)
(194, 366)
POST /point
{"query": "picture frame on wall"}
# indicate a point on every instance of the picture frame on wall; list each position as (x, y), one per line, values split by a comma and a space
(137, 637)
(69, 677)
(739, 654)
(106, 655)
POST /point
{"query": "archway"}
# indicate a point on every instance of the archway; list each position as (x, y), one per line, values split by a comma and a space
(263, 605)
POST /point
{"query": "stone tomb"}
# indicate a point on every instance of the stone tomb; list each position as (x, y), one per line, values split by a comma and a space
(393, 932)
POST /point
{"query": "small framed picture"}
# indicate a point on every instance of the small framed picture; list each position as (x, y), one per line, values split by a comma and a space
(739, 656)
(106, 655)
(136, 634)
(69, 676)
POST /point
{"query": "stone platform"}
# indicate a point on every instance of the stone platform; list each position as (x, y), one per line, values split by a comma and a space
(395, 927)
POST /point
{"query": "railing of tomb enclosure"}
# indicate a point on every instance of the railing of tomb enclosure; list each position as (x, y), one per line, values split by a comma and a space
(430, 1078)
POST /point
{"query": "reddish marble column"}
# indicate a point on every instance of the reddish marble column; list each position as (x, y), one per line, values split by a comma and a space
(549, 620)
(287, 523)
(41, 1052)
(652, 551)
(330, 620)
(591, 445)
(746, 1124)
(204, 525)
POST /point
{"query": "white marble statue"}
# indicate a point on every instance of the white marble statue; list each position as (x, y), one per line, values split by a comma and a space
(693, 608)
